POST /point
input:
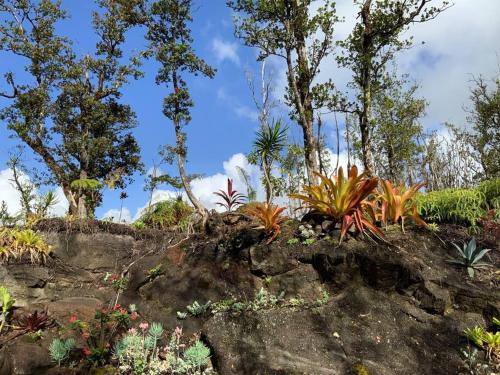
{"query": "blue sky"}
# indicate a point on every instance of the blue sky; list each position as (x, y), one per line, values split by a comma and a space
(461, 42)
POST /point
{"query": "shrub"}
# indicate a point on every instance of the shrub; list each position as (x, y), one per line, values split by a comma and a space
(457, 206)
(491, 192)
(18, 244)
(342, 199)
(167, 214)
(269, 217)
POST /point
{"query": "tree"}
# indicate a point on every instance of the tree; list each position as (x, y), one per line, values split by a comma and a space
(485, 120)
(286, 29)
(373, 43)
(397, 132)
(68, 112)
(171, 44)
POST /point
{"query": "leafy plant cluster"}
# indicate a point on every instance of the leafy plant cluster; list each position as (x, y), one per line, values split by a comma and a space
(354, 200)
(461, 206)
(486, 340)
(18, 244)
(7, 303)
(139, 352)
(266, 300)
(167, 214)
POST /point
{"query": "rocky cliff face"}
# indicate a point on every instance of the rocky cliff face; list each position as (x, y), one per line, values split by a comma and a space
(394, 308)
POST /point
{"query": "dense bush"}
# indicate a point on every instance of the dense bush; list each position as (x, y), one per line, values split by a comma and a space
(460, 206)
(491, 192)
(167, 214)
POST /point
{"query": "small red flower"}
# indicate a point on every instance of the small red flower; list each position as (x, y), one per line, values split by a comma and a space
(117, 306)
(73, 318)
(87, 351)
(134, 316)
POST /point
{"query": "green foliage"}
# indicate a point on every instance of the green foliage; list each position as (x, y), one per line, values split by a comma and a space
(68, 110)
(485, 135)
(7, 302)
(325, 298)
(196, 308)
(309, 241)
(167, 214)
(59, 350)
(490, 341)
(20, 243)
(155, 272)
(360, 369)
(197, 355)
(137, 352)
(457, 206)
(267, 147)
(470, 257)
(138, 224)
(86, 184)
(491, 192)
(293, 241)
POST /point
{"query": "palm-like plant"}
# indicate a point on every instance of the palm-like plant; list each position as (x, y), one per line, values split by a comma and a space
(230, 198)
(470, 256)
(269, 216)
(342, 199)
(396, 203)
(269, 142)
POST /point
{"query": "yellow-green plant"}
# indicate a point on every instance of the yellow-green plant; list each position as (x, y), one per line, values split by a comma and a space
(7, 303)
(457, 206)
(489, 341)
(342, 199)
(396, 203)
(269, 216)
(16, 243)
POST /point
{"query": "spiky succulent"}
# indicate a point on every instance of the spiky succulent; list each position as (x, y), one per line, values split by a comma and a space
(470, 256)
(35, 321)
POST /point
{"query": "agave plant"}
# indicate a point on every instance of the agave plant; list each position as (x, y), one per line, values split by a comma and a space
(396, 203)
(231, 198)
(269, 217)
(342, 199)
(34, 322)
(470, 257)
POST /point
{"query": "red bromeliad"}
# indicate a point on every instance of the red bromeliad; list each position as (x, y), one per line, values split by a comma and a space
(231, 198)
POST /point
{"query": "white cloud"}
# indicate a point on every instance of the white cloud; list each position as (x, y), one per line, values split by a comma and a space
(126, 217)
(247, 112)
(8, 193)
(224, 50)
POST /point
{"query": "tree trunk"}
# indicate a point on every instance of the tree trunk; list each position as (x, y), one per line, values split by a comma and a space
(365, 125)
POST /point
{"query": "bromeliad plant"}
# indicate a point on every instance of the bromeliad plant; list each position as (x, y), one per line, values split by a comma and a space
(34, 322)
(342, 199)
(396, 204)
(231, 199)
(269, 216)
(470, 256)
(22, 243)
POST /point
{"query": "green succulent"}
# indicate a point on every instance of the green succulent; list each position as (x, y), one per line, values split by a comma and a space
(470, 257)
(197, 355)
(59, 349)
